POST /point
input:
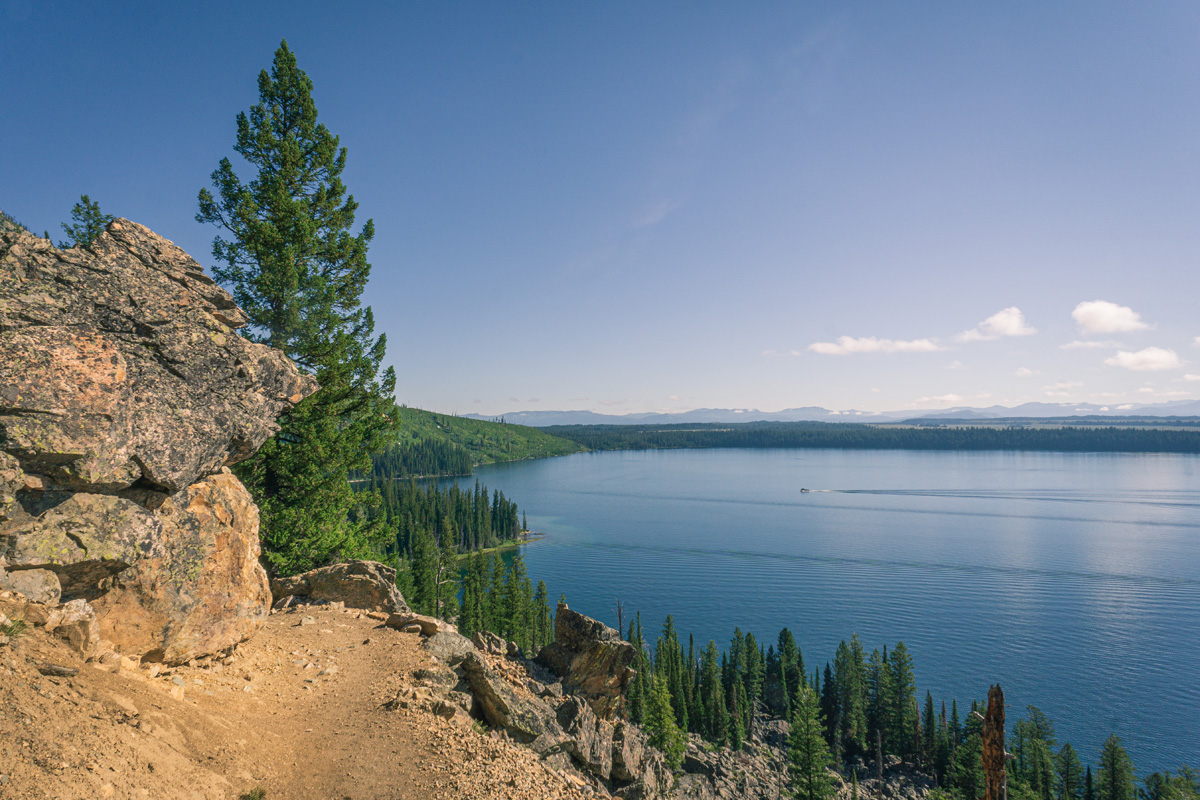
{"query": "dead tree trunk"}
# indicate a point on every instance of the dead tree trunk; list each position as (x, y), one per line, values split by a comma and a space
(994, 772)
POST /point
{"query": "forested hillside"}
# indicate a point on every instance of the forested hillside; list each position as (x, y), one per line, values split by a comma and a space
(431, 444)
(880, 437)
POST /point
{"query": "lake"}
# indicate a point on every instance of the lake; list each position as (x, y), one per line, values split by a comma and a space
(1072, 579)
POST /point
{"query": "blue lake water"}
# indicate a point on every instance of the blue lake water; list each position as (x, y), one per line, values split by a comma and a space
(1071, 579)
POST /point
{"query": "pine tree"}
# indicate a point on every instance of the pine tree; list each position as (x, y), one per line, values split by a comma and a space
(851, 682)
(754, 670)
(715, 713)
(929, 729)
(543, 630)
(424, 573)
(902, 708)
(664, 734)
(807, 750)
(1116, 771)
(447, 583)
(830, 704)
(879, 690)
(638, 688)
(1089, 787)
(967, 770)
(294, 267)
(1070, 774)
(89, 224)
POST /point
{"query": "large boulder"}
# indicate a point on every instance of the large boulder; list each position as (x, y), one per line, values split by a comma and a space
(525, 719)
(592, 659)
(203, 590)
(591, 739)
(119, 364)
(125, 391)
(449, 647)
(359, 584)
(628, 751)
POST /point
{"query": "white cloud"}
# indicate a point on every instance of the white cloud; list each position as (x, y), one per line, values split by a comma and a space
(673, 397)
(1088, 345)
(1006, 322)
(1125, 407)
(1190, 377)
(1147, 390)
(1196, 341)
(1101, 316)
(1147, 360)
(956, 365)
(846, 345)
(1024, 372)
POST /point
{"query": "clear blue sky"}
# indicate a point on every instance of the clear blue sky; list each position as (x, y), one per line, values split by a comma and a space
(657, 206)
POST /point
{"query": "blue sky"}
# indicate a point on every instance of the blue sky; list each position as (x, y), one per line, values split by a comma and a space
(661, 206)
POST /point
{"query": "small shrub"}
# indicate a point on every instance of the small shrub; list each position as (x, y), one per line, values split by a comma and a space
(257, 793)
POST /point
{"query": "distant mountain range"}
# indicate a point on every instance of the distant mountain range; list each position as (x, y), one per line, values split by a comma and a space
(542, 419)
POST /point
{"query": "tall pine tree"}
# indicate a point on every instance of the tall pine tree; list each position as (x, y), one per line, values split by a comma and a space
(294, 266)
(1116, 771)
(808, 752)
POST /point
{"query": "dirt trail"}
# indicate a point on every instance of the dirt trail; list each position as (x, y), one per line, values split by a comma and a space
(298, 711)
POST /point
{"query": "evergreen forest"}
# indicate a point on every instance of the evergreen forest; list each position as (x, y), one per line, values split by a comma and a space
(428, 444)
(855, 436)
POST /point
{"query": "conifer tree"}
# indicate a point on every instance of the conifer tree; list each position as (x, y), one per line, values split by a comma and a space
(929, 728)
(89, 224)
(1070, 774)
(424, 572)
(1089, 787)
(664, 734)
(1116, 771)
(754, 670)
(294, 266)
(447, 583)
(543, 629)
(830, 704)
(638, 687)
(967, 770)
(807, 749)
(715, 714)
(851, 681)
(902, 712)
(498, 618)
(879, 688)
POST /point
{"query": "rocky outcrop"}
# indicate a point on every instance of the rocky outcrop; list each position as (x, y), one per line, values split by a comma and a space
(124, 392)
(523, 718)
(359, 584)
(119, 364)
(202, 589)
(590, 739)
(592, 659)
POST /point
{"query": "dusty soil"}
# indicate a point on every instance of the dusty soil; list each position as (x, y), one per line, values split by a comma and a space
(299, 712)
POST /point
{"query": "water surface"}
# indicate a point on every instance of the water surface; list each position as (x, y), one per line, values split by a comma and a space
(1072, 579)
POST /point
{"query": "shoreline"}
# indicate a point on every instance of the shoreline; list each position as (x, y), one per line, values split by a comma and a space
(523, 538)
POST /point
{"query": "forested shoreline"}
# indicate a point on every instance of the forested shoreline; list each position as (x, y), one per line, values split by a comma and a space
(857, 436)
